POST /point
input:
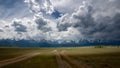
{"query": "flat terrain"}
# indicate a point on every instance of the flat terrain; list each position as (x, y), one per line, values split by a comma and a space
(88, 57)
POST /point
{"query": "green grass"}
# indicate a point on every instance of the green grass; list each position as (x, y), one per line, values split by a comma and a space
(40, 61)
(6, 53)
(100, 60)
(95, 57)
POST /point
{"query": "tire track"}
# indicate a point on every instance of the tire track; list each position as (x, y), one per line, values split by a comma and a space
(65, 61)
(60, 61)
(74, 63)
(17, 59)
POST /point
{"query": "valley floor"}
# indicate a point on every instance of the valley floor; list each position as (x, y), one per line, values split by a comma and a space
(60, 57)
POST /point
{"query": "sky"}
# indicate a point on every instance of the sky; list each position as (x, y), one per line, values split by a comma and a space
(60, 20)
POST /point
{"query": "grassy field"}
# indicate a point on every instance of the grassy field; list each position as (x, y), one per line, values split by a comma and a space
(62, 57)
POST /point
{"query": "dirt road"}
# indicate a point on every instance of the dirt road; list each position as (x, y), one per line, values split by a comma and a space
(17, 59)
(60, 61)
(64, 61)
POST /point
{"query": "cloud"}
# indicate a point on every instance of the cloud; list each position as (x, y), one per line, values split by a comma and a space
(66, 6)
(19, 27)
(42, 24)
(38, 6)
(1, 30)
(66, 20)
(103, 26)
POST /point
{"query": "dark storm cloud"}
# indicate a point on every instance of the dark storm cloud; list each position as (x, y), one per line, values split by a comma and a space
(108, 28)
(63, 23)
(63, 27)
(105, 28)
(19, 27)
(1, 30)
(42, 24)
